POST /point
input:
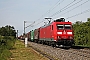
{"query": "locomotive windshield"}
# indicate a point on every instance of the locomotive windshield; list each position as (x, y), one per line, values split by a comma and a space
(59, 27)
(67, 26)
(63, 26)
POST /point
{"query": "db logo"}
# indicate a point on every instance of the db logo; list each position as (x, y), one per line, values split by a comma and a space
(64, 32)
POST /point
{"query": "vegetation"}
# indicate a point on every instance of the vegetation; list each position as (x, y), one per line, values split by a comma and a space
(7, 31)
(82, 33)
(6, 44)
(20, 52)
(10, 48)
(7, 40)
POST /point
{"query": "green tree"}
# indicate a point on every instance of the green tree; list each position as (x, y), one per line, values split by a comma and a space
(80, 33)
(88, 35)
(8, 31)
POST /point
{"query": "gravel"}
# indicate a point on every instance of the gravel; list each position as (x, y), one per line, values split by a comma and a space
(62, 54)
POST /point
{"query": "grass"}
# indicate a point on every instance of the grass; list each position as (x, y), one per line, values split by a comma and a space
(20, 52)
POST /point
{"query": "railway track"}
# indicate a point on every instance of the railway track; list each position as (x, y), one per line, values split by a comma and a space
(61, 54)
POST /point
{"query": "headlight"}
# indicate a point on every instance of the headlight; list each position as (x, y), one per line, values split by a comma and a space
(69, 32)
(59, 32)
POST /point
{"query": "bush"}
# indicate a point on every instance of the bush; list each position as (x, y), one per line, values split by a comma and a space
(82, 33)
(6, 43)
(5, 54)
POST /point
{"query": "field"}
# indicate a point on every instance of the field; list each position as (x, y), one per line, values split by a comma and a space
(20, 52)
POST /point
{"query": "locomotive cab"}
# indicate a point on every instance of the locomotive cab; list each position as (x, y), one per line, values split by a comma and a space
(64, 30)
(64, 33)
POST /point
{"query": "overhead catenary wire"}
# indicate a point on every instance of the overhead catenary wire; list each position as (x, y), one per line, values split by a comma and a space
(76, 7)
(30, 25)
(52, 8)
(66, 7)
(88, 10)
(55, 6)
(39, 23)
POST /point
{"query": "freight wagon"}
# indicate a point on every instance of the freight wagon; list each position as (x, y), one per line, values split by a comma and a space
(36, 35)
(32, 36)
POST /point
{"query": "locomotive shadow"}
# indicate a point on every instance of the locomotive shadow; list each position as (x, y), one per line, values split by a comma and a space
(73, 47)
(80, 47)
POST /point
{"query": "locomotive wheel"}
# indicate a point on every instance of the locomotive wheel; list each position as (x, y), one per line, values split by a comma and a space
(53, 44)
(43, 42)
(49, 43)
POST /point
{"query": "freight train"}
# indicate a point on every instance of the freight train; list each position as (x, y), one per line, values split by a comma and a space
(55, 33)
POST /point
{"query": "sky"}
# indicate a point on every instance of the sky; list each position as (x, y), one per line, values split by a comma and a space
(15, 12)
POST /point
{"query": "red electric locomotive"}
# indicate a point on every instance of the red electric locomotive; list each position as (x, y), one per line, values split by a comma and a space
(57, 32)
